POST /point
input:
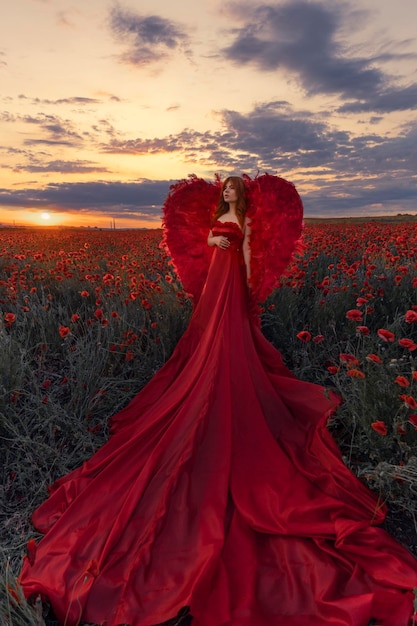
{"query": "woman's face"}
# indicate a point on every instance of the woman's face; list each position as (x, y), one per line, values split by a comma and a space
(229, 192)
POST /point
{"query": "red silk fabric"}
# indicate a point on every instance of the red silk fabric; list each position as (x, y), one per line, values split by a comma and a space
(221, 489)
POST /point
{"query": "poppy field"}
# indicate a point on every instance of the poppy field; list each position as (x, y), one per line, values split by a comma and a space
(88, 316)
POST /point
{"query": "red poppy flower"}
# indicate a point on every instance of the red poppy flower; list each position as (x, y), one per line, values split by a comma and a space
(75, 317)
(304, 336)
(409, 401)
(10, 318)
(318, 338)
(63, 331)
(31, 551)
(408, 344)
(413, 420)
(98, 314)
(348, 358)
(355, 315)
(333, 369)
(374, 358)
(386, 335)
(355, 373)
(94, 429)
(15, 396)
(146, 304)
(14, 593)
(84, 294)
(363, 330)
(410, 317)
(380, 427)
(402, 381)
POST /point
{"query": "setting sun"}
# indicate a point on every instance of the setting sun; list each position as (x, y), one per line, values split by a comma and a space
(46, 216)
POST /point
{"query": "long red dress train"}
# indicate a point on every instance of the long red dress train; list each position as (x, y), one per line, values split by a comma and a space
(221, 489)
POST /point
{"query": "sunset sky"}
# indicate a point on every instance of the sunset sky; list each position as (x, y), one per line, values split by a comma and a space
(104, 104)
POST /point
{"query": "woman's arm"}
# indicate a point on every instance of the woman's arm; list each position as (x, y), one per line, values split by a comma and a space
(219, 240)
(246, 248)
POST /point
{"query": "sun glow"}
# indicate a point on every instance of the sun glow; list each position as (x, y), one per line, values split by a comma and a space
(47, 218)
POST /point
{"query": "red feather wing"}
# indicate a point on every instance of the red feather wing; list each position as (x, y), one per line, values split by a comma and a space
(276, 214)
(188, 210)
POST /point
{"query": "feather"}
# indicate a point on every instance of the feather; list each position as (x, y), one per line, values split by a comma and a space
(188, 211)
(276, 220)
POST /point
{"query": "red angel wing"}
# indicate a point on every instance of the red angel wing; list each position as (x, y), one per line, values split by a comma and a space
(188, 210)
(276, 221)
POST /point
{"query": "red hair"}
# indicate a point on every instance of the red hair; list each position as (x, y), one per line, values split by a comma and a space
(223, 207)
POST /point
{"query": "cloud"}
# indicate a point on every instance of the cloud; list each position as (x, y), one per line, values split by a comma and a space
(149, 39)
(304, 38)
(140, 199)
(279, 136)
(63, 167)
(181, 142)
(272, 135)
(64, 18)
(58, 131)
(350, 197)
(385, 101)
(73, 100)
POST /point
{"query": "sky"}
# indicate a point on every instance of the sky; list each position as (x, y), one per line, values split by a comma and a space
(105, 104)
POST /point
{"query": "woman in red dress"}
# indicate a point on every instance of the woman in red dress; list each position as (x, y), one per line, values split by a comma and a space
(220, 488)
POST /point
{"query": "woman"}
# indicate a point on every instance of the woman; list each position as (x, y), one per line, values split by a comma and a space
(220, 488)
(232, 209)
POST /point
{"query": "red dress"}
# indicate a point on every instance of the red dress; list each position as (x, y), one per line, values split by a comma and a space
(221, 489)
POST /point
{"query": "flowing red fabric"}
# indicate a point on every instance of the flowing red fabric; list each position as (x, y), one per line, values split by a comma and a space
(220, 489)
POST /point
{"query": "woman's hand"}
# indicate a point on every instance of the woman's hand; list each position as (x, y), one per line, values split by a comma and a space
(221, 242)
